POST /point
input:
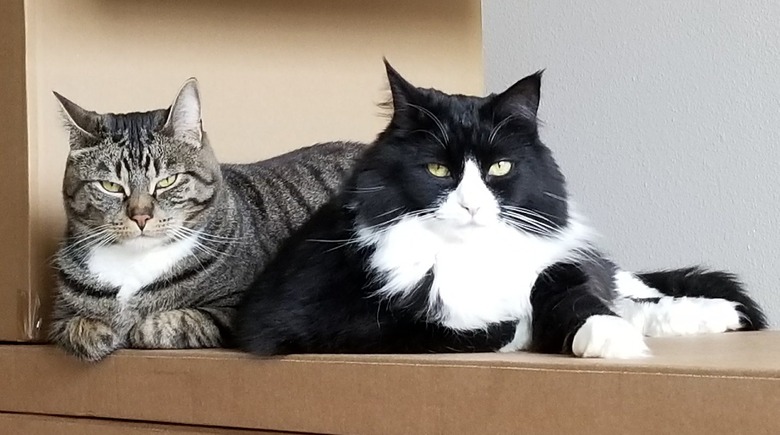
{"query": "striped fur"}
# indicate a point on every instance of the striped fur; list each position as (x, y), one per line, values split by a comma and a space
(217, 225)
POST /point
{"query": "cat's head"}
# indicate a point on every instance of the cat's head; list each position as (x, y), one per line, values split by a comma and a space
(462, 161)
(139, 178)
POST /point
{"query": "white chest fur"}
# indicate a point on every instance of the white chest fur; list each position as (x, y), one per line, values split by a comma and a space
(131, 266)
(482, 275)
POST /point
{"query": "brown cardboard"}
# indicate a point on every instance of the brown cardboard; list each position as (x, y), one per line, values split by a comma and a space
(274, 76)
(721, 383)
(17, 301)
(32, 424)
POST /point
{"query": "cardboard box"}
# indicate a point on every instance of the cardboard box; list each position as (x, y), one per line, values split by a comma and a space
(711, 384)
(32, 424)
(274, 76)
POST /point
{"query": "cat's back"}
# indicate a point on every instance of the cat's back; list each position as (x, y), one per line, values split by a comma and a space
(305, 172)
(282, 192)
(320, 161)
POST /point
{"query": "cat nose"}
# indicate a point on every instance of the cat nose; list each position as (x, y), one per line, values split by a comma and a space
(141, 219)
(472, 209)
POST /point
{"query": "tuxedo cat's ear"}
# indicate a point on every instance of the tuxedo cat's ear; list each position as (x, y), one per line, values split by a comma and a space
(184, 121)
(521, 99)
(403, 92)
(84, 123)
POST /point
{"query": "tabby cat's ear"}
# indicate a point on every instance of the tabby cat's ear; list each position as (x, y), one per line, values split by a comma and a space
(403, 92)
(183, 121)
(84, 123)
(521, 99)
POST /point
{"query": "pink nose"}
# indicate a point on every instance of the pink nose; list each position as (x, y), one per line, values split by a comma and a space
(141, 220)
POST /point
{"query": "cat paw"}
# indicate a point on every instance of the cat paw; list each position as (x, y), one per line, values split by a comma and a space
(522, 338)
(689, 316)
(87, 339)
(175, 329)
(605, 336)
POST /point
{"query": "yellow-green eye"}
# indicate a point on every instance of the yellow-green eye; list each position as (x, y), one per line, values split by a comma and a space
(110, 187)
(438, 170)
(167, 182)
(499, 169)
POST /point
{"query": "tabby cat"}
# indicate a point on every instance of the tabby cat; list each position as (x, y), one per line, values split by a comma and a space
(161, 238)
(453, 234)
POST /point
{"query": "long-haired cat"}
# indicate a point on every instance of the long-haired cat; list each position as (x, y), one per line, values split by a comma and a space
(453, 234)
(161, 238)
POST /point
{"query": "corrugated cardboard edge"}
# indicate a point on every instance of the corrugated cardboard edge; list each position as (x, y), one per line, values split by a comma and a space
(400, 394)
(16, 318)
(32, 424)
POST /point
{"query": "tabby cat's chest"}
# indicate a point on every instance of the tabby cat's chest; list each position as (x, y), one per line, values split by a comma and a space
(130, 267)
(481, 275)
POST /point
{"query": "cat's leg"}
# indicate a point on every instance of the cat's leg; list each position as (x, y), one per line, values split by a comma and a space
(669, 316)
(522, 337)
(571, 316)
(183, 328)
(82, 321)
(686, 302)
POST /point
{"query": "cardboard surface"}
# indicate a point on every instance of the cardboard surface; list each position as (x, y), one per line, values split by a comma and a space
(274, 76)
(725, 383)
(32, 424)
(18, 304)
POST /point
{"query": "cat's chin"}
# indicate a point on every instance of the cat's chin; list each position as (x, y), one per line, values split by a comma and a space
(143, 242)
(462, 227)
(465, 224)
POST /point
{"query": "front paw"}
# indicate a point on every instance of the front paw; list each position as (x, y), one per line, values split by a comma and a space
(175, 329)
(604, 336)
(88, 339)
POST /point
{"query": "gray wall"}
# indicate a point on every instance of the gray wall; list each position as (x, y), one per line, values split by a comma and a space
(665, 117)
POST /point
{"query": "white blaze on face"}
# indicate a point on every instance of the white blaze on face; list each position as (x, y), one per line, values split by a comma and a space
(471, 202)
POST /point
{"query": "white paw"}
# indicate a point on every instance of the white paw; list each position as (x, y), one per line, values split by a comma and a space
(605, 336)
(522, 338)
(688, 316)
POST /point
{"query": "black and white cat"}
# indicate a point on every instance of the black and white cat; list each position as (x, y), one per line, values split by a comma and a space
(454, 234)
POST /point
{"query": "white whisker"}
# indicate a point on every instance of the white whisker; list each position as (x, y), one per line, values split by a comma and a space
(498, 127)
(434, 119)
(558, 197)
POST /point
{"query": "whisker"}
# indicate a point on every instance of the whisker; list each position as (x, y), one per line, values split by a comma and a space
(525, 222)
(532, 213)
(434, 119)
(558, 197)
(498, 127)
(377, 228)
(436, 138)
(366, 189)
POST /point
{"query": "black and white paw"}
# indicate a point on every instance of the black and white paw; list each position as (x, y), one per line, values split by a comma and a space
(521, 339)
(605, 336)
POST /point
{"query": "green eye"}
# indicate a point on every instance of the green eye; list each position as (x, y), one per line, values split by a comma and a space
(167, 182)
(438, 170)
(499, 169)
(111, 187)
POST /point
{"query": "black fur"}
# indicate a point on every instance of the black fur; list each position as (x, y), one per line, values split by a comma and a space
(325, 306)
(319, 294)
(563, 298)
